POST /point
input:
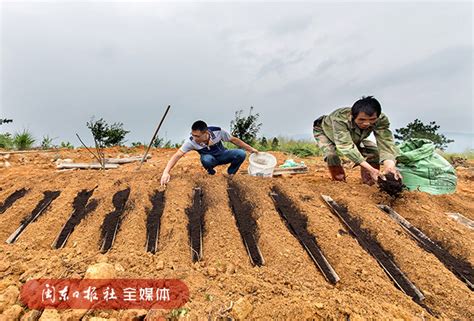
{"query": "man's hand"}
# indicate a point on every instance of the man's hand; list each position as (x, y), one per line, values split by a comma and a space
(374, 173)
(389, 167)
(165, 178)
(253, 150)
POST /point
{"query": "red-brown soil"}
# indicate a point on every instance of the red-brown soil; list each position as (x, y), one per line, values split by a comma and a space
(287, 286)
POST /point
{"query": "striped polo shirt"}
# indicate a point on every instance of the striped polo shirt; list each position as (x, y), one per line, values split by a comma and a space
(217, 136)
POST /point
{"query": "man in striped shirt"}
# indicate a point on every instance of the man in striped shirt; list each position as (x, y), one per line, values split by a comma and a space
(207, 141)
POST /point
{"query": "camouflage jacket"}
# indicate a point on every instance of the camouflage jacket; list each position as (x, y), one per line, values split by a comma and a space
(346, 135)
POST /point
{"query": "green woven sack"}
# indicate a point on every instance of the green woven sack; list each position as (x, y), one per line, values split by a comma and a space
(425, 170)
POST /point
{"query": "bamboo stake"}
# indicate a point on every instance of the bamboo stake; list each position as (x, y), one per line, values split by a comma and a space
(153, 138)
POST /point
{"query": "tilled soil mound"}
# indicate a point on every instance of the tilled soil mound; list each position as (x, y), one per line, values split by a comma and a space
(251, 262)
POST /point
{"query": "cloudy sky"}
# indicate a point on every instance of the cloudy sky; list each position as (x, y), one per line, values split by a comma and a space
(63, 62)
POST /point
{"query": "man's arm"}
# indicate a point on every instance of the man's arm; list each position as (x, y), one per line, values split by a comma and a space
(344, 143)
(386, 145)
(165, 177)
(238, 142)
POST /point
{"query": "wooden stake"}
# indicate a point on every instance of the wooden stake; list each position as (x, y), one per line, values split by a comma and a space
(154, 136)
(96, 157)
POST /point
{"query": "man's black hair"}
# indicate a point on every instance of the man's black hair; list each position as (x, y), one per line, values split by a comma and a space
(199, 125)
(368, 105)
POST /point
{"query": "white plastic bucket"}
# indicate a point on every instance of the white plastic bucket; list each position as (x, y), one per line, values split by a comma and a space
(262, 164)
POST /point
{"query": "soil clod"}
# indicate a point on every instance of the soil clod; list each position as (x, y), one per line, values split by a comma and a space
(390, 185)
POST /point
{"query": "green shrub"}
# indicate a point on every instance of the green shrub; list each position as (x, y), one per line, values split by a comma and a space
(107, 135)
(168, 144)
(67, 145)
(137, 144)
(300, 148)
(302, 151)
(275, 144)
(158, 142)
(245, 127)
(6, 141)
(467, 154)
(47, 142)
(178, 145)
(23, 140)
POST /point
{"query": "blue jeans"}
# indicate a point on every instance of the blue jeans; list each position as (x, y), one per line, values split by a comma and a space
(233, 156)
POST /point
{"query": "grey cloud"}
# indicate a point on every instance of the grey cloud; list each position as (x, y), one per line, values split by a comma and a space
(440, 65)
(62, 63)
(279, 64)
(291, 25)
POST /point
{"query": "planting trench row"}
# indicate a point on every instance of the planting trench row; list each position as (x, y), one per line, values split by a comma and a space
(296, 222)
(242, 210)
(11, 199)
(195, 215)
(153, 221)
(81, 208)
(460, 268)
(41, 207)
(83, 205)
(384, 258)
(113, 220)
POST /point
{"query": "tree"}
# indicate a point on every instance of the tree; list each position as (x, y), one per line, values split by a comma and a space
(6, 140)
(107, 135)
(275, 143)
(245, 128)
(417, 129)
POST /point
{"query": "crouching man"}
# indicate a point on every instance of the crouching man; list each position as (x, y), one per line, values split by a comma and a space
(346, 129)
(207, 141)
